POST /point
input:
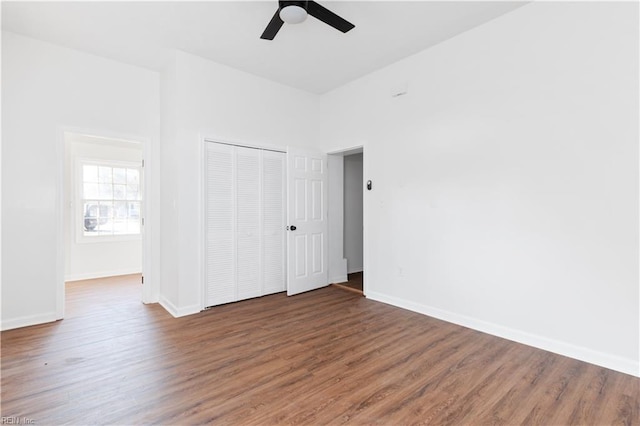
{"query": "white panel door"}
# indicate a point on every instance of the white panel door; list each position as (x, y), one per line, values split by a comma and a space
(273, 222)
(220, 246)
(248, 222)
(307, 221)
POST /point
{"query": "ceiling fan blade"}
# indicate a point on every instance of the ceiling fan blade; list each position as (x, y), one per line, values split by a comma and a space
(273, 27)
(328, 17)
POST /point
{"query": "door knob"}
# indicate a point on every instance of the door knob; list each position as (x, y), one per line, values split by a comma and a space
(293, 227)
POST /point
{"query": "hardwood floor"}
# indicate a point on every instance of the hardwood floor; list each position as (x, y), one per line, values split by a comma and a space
(323, 357)
(354, 283)
(355, 280)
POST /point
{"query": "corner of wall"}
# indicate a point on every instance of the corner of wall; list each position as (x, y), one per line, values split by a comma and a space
(28, 320)
(178, 312)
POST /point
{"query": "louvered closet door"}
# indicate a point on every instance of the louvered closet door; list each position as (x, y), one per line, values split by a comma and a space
(248, 222)
(273, 219)
(245, 223)
(220, 285)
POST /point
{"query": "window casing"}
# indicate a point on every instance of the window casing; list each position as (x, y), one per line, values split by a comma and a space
(109, 200)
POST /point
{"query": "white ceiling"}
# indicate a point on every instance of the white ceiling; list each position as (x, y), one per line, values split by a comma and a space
(310, 56)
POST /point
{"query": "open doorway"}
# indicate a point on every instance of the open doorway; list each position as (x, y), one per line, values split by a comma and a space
(102, 215)
(346, 213)
(353, 212)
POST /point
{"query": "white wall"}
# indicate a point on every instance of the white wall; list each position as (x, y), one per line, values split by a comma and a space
(205, 99)
(506, 181)
(94, 259)
(169, 149)
(353, 188)
(46, 88)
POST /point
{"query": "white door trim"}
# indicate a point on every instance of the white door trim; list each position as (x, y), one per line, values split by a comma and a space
(349, 151)
(150, 290)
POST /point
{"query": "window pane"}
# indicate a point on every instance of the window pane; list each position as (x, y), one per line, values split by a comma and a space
(105, 217)
(90, 210)
(90, 190)
(133, 192)
(89, 173)
(105, 191)
(104, 174)
(106, 210)
(97, 216)
(119, 175)
(119, 225)
(120, 210)
(90, 223)
(134, 210)
(119, 192)
(110, 200)
(133, 176)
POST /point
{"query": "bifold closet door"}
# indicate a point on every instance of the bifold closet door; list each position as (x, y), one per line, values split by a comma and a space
(220, 224)
(245, 222)
(248, 222)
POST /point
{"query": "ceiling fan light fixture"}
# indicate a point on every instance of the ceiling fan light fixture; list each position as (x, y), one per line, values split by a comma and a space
(295, 11)
(293, 14)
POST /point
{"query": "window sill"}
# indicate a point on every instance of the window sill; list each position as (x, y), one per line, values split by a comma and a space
(108, 239)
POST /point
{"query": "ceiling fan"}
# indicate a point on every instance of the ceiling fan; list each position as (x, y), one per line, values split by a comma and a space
(294, 12)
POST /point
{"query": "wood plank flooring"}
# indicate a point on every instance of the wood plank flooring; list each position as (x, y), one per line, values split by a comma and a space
(354, 284)
(354, 281)
(323, 357)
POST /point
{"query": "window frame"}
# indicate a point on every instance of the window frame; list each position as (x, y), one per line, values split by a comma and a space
(78, 217)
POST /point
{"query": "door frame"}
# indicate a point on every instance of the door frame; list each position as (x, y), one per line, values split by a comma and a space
(150, 290)
(342, 153)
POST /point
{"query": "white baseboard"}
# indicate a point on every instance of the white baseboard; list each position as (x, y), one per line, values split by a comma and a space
(103, 274)
(623, 365)
(338, 279)
(27, 321)
(151, 301)
(178, 312)
(355, 270)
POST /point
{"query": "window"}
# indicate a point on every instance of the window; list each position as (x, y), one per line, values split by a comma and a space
(110, 199)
